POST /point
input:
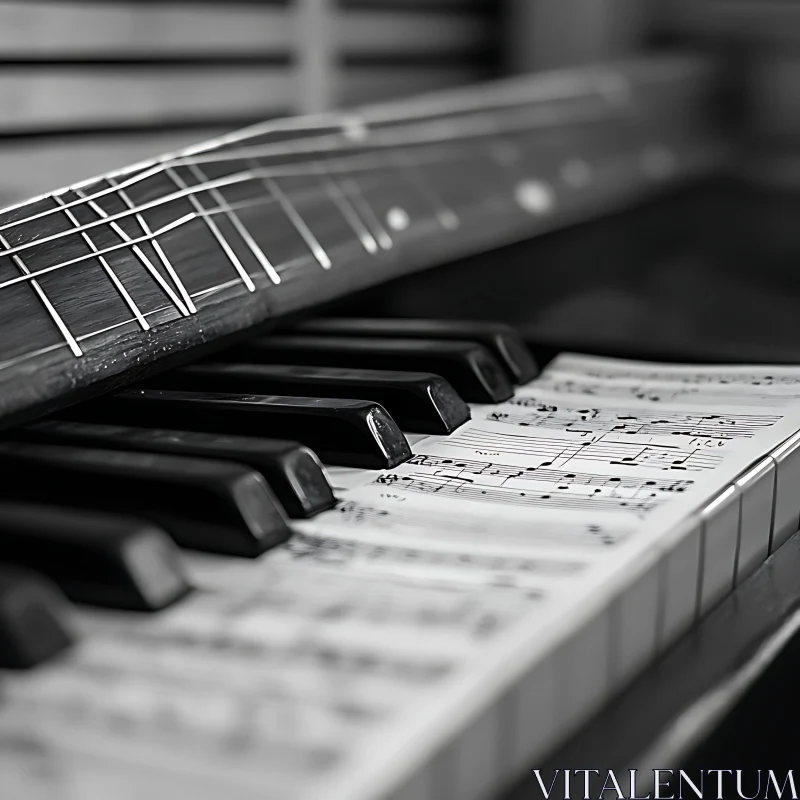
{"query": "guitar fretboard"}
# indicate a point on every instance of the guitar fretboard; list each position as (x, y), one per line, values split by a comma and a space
(114, 273)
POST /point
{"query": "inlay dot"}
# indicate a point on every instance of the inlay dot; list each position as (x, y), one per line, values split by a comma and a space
(397, 219)
(577, 173)
(536, 197)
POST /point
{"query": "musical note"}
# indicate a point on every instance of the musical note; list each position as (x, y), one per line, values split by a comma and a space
(662, 392)
(591, 420)
(694, 455)
(465, 489)
(555, 477)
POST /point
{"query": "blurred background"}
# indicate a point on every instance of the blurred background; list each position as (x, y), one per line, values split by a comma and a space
(92, 85)
(86, 86)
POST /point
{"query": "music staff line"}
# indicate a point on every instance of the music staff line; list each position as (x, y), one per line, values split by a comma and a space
(592, 420)
(566, 450)
(665, 392)
(666, 375)
(442, 465)
(465, 489)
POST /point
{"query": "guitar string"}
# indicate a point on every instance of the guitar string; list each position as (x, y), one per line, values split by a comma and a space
(359, 163)
(132, 242)
(239, 226)
(112, 276)
(215, 232)
(69, 339)
(224, 208)
(140, 254)
(187, 300)
(378, 141)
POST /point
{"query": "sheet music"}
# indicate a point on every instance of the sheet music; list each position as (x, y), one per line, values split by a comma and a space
(326, 668)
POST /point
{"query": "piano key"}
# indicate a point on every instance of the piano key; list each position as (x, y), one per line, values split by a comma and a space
(635, 624)
(418, 402)
(354, 433)
(680, 579)
(99, 559)
(204, 504)
(294, 472)
(757, 489)
(470, 368)
(786, 515)
(720, 542)
(505, 344)
(33, 619)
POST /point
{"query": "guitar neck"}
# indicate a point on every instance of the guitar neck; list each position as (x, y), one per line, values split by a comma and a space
(105, 280)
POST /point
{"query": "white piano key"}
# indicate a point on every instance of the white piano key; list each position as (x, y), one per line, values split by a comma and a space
(680, 577)
(535, 713)
(757, 489)
(786, 517)
(583, 672)
(634, 625)
(720, 541)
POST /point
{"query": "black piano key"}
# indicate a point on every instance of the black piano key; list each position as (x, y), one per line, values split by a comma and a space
(33, 619)
(351, 433)
(293, 471)
(469, 367)
(204, 504)
(418, 402)
(503, 341)
(94, 558)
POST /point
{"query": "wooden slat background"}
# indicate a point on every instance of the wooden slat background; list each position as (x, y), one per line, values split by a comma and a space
(92, 85)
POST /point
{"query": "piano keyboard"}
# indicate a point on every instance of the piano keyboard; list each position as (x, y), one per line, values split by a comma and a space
(496, 575)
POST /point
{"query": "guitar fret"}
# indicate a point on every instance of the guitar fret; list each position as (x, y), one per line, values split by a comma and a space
(185, 296)
(237, 223)
(140, 254)
(118, 285)
(296, 219)
(30, 276)
(215, 231)
(349, 212)
(447, 218)
(50, 308)
(353, 192)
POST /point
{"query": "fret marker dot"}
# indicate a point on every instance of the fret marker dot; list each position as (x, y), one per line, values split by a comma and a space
(397, 219)
(535, 197)
(448, 220)
(355, 129)
(577, 173)
(657, 162)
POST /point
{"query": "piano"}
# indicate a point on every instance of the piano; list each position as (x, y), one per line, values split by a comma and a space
(306, 492)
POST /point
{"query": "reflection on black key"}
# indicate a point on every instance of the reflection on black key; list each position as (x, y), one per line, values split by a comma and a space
(352, 433)
(470, 368)
(100, 559)
(33, 619)
(203, 504)
(293, 471)
(505, 343)
(418, 402)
